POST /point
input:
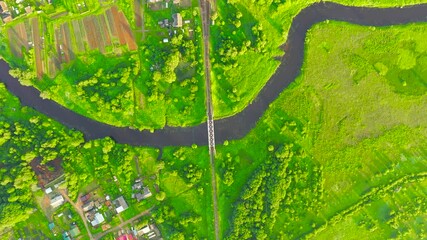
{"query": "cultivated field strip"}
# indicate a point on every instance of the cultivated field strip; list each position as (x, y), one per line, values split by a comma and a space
(70, 38)
(18, 39)
(38, 46)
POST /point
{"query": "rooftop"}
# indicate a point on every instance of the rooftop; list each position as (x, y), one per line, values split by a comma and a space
(120, 204)
(177, 20)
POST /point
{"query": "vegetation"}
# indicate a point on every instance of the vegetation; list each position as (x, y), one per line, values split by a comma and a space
(158, 84)
(340, 153)
(245, 44)
(186, 212)
(337, 148)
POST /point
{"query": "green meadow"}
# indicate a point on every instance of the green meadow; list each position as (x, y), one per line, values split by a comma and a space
(347, 140)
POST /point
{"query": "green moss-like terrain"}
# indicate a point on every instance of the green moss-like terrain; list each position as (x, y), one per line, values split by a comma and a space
(246, 39)
(340, 149)
(340, 154)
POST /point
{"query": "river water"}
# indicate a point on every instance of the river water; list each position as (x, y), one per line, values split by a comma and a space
(237, 126)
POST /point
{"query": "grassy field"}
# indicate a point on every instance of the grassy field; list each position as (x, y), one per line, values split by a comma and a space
(347, 125)
(186, 182)
(241, 69)
(103, 65)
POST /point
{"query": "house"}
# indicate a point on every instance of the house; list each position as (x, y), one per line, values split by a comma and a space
(51, 226)
(151, 231)
(28, 9)
(120, 204)
(3, 7)
(176, 1)
(164, 23)
(98, 219)
(177, 20)
(137, 186)
(146, 193)
(74, 231)
(7, 18)
(126, 237)
(88, 206)
(56, 201)
(66, 236)
(48, 190)
(85, 197)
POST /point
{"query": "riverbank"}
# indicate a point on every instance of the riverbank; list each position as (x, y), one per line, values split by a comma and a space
(239, 125)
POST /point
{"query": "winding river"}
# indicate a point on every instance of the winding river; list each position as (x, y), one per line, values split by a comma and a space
(236, 126)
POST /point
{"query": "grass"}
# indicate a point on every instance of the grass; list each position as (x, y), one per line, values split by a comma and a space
(252, 69)
(355, 127)
(136, 100)
(187, 199)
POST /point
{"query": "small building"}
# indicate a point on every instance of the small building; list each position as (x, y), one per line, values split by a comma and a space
(48, 190)
(164, 23)
(126, 237)
(88, 206)
(56, 201)
(74, 231)
(151, 231)
(153, 1)
(51, 226)
(3, 7)
(146, 193)
(28, 10)
(7, 18)
(177, 20)
(85, 198)
(165, 40)
(98, 219)
(66, 236)
(137, 186)
(120, 204)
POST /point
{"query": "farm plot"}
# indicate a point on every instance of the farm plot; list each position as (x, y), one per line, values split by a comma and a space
(118, 25)
(123, 29)
(18, 39)
(90, 32)
(79, 37)
(104, 30)
(95, 32)
(130, 40)
(137, 12)
(66, 42)
(110, 19)
(38, 45)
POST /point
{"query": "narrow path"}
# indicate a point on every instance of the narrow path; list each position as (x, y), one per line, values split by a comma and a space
(78, 210)
(121, 225)
(205, 11)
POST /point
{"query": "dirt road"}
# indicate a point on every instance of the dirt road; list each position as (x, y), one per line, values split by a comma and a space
(117, 228)
(205, 10)
(78, 209)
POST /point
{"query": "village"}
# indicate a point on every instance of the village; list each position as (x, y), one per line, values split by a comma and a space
(53, 40)
(95, 213)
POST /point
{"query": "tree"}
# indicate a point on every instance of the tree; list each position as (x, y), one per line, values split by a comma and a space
(161, 196)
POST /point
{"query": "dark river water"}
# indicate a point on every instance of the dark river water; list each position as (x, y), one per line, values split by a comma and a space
(236, 126)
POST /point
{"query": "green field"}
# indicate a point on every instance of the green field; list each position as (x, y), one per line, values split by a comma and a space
(339, 155)
(246, 38)
(344, 138)
(156, 84)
